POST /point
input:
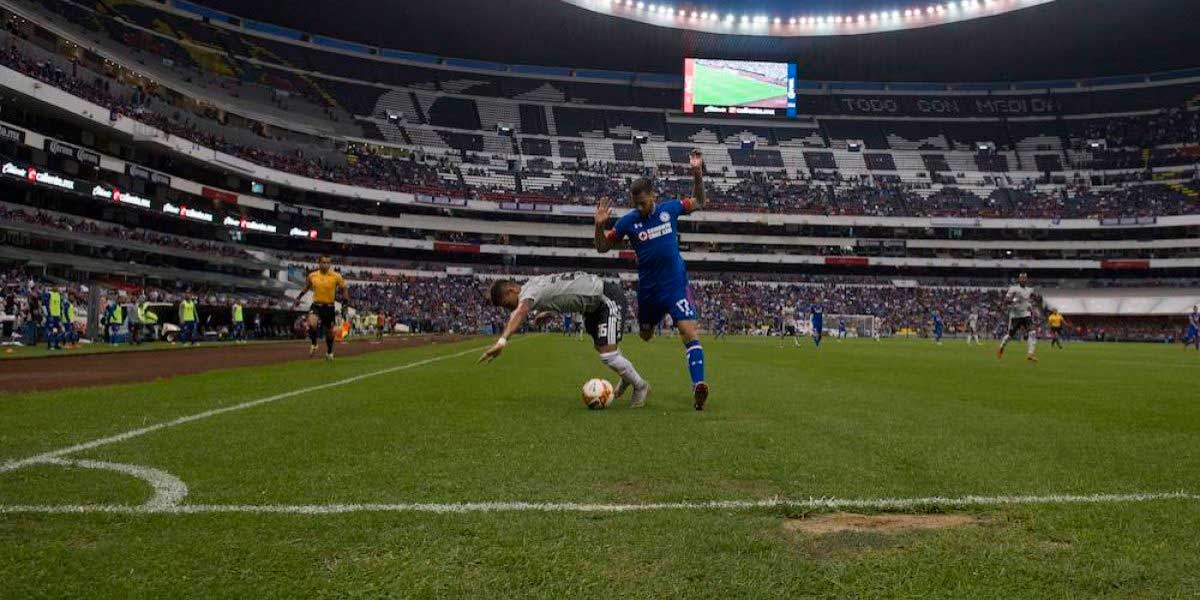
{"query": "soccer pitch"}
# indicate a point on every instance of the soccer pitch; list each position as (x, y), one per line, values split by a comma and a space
(417, 473)
(718, 87)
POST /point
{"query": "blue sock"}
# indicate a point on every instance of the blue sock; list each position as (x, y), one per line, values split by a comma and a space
(695, 360)
(817, 340)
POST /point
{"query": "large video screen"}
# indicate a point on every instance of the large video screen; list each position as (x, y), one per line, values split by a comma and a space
(738, 87)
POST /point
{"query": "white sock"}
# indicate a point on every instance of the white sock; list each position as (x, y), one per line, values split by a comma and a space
(623, 367)
(1032, 342)
(1004, 341)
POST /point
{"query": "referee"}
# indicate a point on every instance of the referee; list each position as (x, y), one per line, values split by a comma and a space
(325, 283)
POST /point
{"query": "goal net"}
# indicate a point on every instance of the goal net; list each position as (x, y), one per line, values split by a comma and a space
(856, 325)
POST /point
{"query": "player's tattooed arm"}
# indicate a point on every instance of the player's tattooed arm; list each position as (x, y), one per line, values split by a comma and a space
(603, 211)
(514, 323)
(696, 161)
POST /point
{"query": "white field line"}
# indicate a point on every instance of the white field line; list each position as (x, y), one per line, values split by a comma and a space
(169, 490)
(885, 504)
(45, 457)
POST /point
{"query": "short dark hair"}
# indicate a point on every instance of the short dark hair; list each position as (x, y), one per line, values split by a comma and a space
(640, 186)
(497, 290)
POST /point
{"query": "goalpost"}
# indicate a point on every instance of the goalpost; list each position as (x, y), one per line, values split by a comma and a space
(863, 326)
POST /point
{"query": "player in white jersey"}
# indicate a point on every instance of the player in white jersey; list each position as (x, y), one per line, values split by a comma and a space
(973, 327)
(789, 327)
(601, 303)
(1019, 301)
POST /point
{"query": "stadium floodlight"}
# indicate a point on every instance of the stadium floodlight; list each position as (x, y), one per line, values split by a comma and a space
(641, 5)
(729, 18)
(792, 21)
(778, 20)
(861, 18)
(874, 16)
(895, 14)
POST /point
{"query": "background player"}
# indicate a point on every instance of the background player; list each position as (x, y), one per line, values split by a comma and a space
(1192, 337)
(973, 327)
(1019, 299)
(722, 323)
(1055, 321)
(818, 324)
(653, 230)
(841, 334)
(326, 285)
(603, 307)
(939, 327)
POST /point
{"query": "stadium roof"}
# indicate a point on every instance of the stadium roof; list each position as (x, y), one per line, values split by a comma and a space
(1055, 40)
(812, 18)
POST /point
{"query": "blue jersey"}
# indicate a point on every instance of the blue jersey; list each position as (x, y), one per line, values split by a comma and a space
(655, 239)
(818, 316)
(662, 275)
(1194, 320)
(937, 321)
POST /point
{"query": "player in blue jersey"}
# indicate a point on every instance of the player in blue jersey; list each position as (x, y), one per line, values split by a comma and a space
(653, 231)
(818, 324)
(1192, 337)
(841, 329)
(722, 322)
(568, 324)
(938, 327)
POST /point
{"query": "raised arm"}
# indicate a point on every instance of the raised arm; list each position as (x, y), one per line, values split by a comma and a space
(696, 160)
(515, 320)
(604, 243)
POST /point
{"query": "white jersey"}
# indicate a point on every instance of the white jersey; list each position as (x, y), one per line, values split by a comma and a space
(576, 292)
(1020, 301)
(973, 321)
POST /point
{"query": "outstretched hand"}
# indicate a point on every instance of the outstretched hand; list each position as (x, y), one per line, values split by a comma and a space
(696, 161)
(491, 353)
(603, 211)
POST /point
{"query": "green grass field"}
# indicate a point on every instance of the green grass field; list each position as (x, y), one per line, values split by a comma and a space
(718, 87)
(358, 489)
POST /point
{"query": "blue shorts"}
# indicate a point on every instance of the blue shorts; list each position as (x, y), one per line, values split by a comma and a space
(818, 326)
(678, 303)
(53, 323)
(1191, 332)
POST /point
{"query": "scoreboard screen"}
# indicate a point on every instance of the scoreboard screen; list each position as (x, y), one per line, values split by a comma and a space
(739, 87)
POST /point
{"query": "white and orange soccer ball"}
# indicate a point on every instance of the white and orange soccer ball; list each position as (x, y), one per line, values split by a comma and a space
(597, 394)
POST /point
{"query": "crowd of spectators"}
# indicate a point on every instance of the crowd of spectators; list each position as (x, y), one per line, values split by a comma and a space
(588, 180)
(133, 234)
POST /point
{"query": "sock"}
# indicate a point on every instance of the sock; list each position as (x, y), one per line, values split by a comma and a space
(623, 367)
(1032, 342)
(328, 345)
(1004, 341)
(695, 360)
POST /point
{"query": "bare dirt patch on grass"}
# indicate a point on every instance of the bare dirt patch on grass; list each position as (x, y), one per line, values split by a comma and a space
(825, 524)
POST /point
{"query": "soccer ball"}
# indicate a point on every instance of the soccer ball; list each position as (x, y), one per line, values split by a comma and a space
(597, 394)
